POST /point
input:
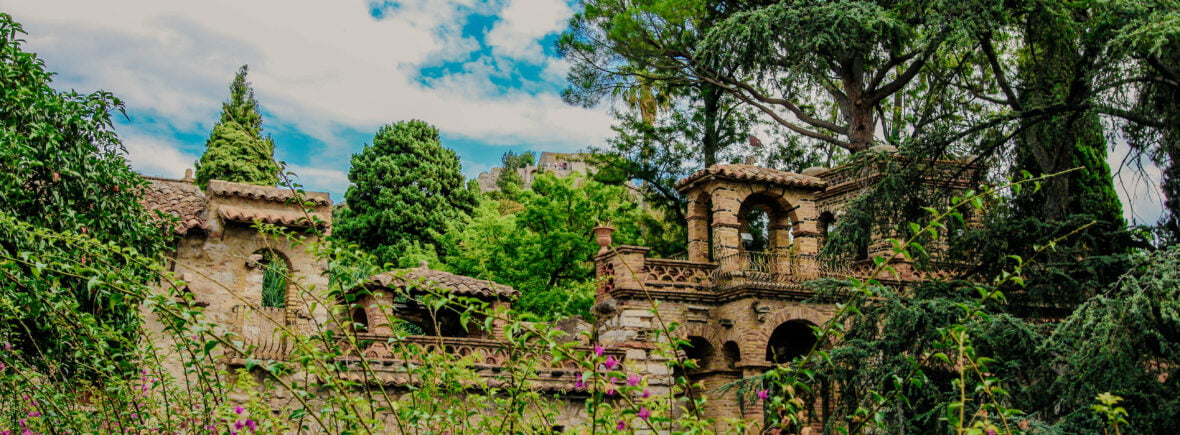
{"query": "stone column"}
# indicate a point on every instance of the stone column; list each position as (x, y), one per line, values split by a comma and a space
(698, 226)
(726, 227)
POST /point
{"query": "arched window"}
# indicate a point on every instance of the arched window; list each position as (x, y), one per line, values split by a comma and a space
(765, 225)
(790, 340)
(700, 350)
(275, 274)
(360, 320)
(732, 353)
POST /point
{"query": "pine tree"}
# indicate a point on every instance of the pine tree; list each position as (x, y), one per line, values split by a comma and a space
(405, 188)
(236, 150)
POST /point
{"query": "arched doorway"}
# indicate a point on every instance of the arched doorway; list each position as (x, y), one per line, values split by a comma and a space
(790, 340)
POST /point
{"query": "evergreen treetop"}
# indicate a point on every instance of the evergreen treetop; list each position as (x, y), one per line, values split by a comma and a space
(236, 150)
(405, 188)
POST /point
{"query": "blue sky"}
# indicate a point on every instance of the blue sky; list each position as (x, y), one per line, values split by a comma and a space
(326, 74)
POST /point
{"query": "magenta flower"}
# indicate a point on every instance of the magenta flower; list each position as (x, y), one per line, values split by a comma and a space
(644, 413)
(578, 382)
(763, 394)
(598, 350)
(239, 425)
(239, 410)
(252, 425)
(991, 432)
(1, 366)
(633, 380)
(611, 362)
(34, 414)
(646, 393)
(622, 425)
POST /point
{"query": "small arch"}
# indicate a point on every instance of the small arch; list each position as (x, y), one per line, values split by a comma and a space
(701, 350)
(276, 272)
(790, 340)
(360, 319)
(732, 354)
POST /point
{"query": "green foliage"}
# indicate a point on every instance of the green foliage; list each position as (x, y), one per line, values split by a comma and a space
(511, 162)
(542, 244)
(405, 189)
(274, 280)
(236, 150)
(62, 169)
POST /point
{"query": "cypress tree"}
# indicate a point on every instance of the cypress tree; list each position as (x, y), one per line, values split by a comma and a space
(236, 150)
(405, 188)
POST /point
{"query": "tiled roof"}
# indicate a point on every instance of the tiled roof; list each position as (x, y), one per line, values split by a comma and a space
(179, 198)
(743, 172)
(226, 188)
(287, 218)
(422, 277)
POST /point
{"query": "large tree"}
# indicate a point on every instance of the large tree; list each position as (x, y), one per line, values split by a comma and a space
(405, 188)
(69, 218)
(236, 150)
(542, 244)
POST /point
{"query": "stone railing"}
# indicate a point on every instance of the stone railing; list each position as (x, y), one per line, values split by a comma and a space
(754, 268)
(664, 273)
(261, 329)
(387, 357)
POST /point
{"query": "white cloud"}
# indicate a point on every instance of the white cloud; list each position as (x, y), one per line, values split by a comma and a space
(522, 25)
(322, 67)
(332, 181)
(157, 156)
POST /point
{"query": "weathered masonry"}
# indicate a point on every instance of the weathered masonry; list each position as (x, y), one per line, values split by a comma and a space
(753, 238)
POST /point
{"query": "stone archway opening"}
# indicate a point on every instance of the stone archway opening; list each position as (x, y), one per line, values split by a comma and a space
(276, 271)
(701, 351)
(765, 225)
(790, 340)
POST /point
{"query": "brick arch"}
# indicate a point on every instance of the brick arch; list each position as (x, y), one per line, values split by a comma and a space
(755, 350)
(710, 333)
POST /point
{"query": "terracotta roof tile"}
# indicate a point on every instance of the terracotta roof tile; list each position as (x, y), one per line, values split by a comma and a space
(226, 188)
(457, 284)
(743, 172)
(179, 198)
(287, 218)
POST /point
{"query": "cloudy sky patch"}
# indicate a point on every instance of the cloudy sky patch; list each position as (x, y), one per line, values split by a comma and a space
(326, 74)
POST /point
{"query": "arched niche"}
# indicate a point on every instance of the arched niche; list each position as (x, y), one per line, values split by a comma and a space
(732, 354)
(700, 350)
(273, 277)
(790, 340)
(360, 319)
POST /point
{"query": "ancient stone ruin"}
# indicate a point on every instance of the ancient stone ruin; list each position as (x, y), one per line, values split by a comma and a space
(739, 297)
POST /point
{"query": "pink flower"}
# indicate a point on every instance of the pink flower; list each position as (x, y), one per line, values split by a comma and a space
(611, 362)
(252, 425)
(134, 415)
(239, 425)
(34, 414)
(763, 394)
(646, 393)
(239, 410)
(991, 432)
(633, 380)
(622, 425)
(578, 382)
(598, 350)
(644, 413)
(1, 366)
